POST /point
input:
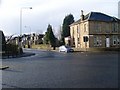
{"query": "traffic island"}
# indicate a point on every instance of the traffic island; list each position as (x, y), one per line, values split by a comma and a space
(3, 67)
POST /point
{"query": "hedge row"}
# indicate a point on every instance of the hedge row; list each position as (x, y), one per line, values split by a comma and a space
(12, 50)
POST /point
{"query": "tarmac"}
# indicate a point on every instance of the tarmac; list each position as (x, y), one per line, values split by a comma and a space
(25, 54)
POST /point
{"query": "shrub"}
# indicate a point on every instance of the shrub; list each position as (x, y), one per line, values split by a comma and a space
(13, 50)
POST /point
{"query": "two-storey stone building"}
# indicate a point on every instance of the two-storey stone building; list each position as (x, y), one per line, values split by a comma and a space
(103, 31)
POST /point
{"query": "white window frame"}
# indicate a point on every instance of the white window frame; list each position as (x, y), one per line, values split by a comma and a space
(97, 41)
(118, 40)
(114, 40)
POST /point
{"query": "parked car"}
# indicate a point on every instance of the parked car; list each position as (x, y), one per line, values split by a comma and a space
(65, 49)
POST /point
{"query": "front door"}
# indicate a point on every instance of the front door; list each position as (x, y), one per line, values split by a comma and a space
(107, 42)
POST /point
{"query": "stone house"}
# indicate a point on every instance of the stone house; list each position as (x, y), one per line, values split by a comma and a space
(101, 30)
(32, 39)
(37, 38)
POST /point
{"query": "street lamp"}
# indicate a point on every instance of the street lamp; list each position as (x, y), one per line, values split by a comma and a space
(21, 22)
(30, 34)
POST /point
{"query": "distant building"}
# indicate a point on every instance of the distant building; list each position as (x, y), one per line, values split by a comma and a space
(27, 40)
(32, 39)
(14, 40)
(101, 30)
(37, 38)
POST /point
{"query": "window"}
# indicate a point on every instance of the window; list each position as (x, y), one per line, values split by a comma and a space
(114, 27)
(97, 41)
(78, 31)
(107, 30)
(115, 40)
(78, 40)
(73, 30)
(100, 41)
(85, 28)
(73, 41)
(118, 40)
(119, 28)
(97, 27)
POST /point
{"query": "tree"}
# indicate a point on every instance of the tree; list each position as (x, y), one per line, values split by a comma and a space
(49, 37)
(45, 39)
(2, 41)
(69, 19)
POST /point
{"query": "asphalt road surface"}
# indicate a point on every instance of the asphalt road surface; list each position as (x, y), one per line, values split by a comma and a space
(47, 69)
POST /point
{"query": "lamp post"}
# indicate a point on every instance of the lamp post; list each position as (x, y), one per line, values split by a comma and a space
(30, 34)
(21, 23)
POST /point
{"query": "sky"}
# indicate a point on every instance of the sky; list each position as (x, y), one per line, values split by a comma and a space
(119, 9)
(46, 12)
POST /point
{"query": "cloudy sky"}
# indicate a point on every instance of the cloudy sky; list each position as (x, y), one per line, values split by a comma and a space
(46, 12)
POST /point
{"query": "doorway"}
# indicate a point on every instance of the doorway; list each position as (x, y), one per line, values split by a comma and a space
(107, 42)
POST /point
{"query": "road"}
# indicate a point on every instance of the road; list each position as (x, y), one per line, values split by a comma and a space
(47, 69)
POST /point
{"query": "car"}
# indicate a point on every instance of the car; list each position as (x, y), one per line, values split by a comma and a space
(64, 48)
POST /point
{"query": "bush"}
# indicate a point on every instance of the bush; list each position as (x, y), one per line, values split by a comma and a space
(8, 49)
(13, 50)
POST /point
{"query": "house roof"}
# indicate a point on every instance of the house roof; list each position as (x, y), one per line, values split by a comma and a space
(97, 16)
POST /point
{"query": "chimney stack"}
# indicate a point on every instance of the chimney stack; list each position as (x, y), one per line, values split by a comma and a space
(82, 16)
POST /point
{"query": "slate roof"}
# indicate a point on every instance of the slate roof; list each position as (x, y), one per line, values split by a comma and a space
(98, 16)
